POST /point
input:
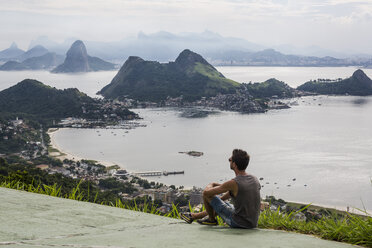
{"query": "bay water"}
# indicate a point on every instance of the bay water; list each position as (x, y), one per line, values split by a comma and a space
(319, 151)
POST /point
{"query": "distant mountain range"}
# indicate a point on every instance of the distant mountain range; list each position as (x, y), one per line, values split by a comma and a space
(39, 58)
(12, 52)
(216, 49)
(44, 62)
(190, 76)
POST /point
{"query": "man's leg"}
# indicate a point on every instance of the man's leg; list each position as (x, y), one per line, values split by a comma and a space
(209, 210)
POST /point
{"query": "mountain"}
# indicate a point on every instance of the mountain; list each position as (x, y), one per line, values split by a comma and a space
(34, 98)
(13, 66)
(36, 51)
(160, 46)
(358, 84)
(52, 46)
(12, 52)
(271, 57)
(270, 88)
(190, 75)
(78, 60)
(46, 61)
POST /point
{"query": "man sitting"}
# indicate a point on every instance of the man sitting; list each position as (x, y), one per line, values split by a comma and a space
(244, 190)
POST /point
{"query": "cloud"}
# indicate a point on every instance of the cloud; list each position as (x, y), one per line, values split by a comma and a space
(279, 21)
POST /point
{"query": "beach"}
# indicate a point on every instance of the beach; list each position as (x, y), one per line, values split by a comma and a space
(63, 154)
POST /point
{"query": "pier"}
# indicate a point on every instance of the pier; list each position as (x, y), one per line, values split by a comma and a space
(157, 173)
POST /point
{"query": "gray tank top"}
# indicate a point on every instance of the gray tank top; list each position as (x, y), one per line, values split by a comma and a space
(247, 202)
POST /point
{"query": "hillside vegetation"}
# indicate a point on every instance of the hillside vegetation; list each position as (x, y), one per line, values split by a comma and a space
(37, 99)
(358, 84)
(190, 76)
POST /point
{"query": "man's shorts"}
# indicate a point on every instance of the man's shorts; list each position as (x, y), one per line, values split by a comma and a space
(224, 210)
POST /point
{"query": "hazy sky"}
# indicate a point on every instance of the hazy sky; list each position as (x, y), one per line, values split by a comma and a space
(343, 25)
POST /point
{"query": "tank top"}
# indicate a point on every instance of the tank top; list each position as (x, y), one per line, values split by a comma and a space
(247, 201)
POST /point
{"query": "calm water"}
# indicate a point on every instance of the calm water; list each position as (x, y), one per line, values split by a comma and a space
(324, 143)
(326, 147)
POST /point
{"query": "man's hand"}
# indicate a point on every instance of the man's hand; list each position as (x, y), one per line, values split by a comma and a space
(212, 185)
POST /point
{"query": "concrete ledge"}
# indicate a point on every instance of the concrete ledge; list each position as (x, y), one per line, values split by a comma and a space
(34, 220)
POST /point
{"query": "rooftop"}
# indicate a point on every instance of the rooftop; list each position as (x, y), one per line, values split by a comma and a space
(34, 220)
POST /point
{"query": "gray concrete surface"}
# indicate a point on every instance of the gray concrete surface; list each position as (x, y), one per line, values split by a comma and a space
(33, 220)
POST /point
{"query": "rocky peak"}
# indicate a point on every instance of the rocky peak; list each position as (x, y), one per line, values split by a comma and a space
(34, 52)
(13, 45)
(76, 59)
(133, 59)
(360, 75)
(38, 48)
(131, 62)
(187, 58)
(77, 49)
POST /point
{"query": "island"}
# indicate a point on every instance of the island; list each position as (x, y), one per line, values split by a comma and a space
(358, 84)
(193, 153)
(189, 81)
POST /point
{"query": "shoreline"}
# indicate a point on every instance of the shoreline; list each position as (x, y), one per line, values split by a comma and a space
(68, 155)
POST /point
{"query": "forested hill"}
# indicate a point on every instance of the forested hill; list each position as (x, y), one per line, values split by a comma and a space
(37, 99)
(358, 84)
(190, 76)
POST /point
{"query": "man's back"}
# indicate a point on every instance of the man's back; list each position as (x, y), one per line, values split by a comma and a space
(247, 201)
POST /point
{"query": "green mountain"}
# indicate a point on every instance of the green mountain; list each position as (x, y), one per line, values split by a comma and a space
(270, 88)
(190, 75)
(358, 84)
(78, 60)
(34, 98)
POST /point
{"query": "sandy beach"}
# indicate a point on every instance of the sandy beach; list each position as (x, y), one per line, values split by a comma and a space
(62, 154)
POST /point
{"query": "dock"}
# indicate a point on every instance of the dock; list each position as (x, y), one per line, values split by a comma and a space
(157, 173)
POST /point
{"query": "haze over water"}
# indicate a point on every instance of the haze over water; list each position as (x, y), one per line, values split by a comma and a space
(324, 143)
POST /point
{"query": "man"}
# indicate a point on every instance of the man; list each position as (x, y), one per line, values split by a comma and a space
(244, 190)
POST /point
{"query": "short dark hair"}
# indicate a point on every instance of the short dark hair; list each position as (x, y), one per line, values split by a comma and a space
(240, 158)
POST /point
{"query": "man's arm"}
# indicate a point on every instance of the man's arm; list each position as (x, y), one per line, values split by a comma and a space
(223, 188)
(212, 185)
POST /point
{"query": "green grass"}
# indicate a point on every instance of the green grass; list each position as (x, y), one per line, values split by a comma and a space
(353, 229)
(213, 74)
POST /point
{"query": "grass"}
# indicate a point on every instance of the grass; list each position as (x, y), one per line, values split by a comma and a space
(353, 229)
